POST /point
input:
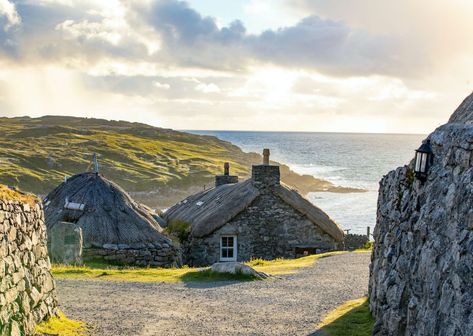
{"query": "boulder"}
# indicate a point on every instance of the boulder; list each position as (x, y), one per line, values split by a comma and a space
(65, 243)
(237, 268)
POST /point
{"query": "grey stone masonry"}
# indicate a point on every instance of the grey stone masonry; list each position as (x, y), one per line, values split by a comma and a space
(27, 289)
(355, 241)
(265, 176)
(225, 179)
(153, 255)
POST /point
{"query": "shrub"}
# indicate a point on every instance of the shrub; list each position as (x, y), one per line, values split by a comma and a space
(179, 230)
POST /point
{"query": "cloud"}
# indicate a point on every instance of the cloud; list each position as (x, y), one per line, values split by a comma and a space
(207, 88)
(172, 34)
(162, 86)
(332, 59)
(191, 39)
(8, 12)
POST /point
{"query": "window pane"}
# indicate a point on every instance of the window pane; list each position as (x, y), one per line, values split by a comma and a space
(230, 253)
(230, 241)
(224, 241)
(224, 253)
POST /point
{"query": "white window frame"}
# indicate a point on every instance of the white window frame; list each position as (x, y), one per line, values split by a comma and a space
(235, 251)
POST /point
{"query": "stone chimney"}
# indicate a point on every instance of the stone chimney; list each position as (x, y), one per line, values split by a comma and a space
(265, 175)
(226, 178)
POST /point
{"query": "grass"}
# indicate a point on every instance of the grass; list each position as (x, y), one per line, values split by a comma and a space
(62, 326)
(102, 271)
(36, 154)
(130, 274)
(6, 193)
(351, 318)
(287, 266)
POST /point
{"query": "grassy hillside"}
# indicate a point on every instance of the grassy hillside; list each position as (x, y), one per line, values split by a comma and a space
(158, 166)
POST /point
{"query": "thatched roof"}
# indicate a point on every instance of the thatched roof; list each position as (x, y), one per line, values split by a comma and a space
(109, 215)
(209, 210)
(313, 213)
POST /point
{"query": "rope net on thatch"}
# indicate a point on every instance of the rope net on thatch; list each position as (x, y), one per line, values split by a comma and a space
(109, 215)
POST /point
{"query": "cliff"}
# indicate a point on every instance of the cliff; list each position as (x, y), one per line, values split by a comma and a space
(422, 263)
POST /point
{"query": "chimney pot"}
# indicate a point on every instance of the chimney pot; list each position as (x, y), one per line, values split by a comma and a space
(226, 169)
(266, 156)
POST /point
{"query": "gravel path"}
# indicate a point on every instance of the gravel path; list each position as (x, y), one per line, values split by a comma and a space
(291, 305)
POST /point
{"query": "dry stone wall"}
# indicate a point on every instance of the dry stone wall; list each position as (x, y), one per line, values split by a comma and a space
(27, 289)
(422, 262)
(154, 255)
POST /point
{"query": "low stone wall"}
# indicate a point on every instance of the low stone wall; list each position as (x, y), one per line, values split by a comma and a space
(355, 241)
(27, 289)
(162, 255)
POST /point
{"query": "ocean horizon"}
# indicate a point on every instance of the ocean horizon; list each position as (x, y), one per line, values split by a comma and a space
(357, 160)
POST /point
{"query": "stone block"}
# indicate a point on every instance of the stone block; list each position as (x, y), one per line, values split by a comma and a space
(66, 243)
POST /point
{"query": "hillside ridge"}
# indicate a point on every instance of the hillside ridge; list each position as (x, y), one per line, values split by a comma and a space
(158, 166)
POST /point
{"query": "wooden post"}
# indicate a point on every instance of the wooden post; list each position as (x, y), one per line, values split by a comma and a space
(368, 234)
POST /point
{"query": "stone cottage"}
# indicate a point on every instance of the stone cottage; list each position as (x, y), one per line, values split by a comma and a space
(257, 218)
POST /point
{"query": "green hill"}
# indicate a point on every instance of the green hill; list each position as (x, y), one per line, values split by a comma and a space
(157, 166)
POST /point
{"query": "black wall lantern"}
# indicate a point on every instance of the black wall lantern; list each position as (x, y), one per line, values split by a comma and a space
(424, 158)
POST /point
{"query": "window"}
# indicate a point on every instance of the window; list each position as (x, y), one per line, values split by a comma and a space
(228, 248)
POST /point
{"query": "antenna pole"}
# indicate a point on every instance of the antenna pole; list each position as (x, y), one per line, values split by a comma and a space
(96, 163)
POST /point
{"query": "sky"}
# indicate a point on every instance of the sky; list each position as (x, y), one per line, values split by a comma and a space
(274, 65)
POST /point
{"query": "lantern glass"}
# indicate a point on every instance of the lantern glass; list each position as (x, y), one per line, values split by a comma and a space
(423, 160)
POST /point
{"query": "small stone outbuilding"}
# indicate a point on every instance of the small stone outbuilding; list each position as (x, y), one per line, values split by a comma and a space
(115, 228)
(257, 218)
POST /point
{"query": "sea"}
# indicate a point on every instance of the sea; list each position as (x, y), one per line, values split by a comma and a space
(345, 159)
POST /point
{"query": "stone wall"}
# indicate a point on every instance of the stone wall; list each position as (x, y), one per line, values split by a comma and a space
(265, 176)
(355, 241)
(27, 289)
(422, 262)
(225, 179)
(157, 255)
(269, 228)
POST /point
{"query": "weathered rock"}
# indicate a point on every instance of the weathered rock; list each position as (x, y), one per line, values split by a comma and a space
(27, 294)
(422, 263)
(237, 268)
(65, 243)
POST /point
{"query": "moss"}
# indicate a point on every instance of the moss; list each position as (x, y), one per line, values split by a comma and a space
(14, 195)
(410, 176)
(178, 230)
(62, 326)
(351, 318)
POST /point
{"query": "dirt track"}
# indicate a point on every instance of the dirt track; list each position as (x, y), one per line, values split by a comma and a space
(291, 305)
